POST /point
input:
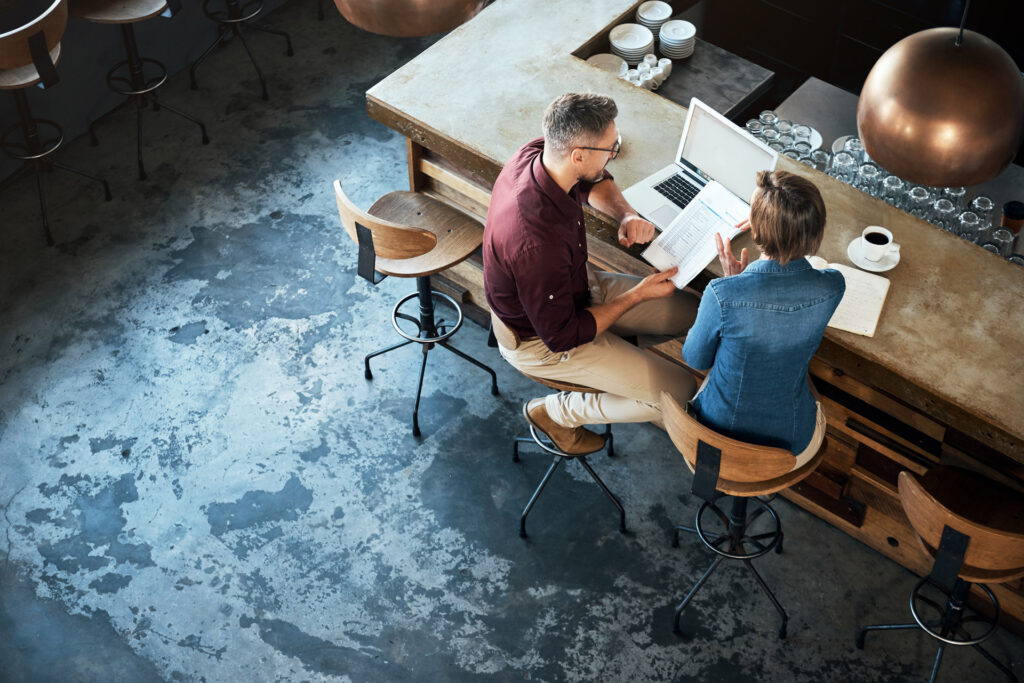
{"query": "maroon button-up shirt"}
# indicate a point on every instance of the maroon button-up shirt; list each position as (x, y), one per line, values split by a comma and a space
(535, 253)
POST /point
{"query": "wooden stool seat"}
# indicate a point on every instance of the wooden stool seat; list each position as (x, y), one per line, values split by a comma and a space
(457, 235)
(26, 75)
(117, 11)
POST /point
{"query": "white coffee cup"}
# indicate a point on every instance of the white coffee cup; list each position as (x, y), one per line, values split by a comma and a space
(666, 65)
(876, 243)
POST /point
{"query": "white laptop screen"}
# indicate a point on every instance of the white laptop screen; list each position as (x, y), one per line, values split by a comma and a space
(724, 152)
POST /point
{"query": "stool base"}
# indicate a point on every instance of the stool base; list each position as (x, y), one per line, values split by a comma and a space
(430, 333)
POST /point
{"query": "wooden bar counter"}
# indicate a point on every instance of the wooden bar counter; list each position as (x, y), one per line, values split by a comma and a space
(942, 380)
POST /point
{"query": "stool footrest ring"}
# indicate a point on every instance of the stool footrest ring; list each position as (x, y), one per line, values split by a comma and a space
(419, 338)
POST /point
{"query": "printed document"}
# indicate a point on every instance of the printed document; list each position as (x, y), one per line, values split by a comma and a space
(688, 241)
(862, 303)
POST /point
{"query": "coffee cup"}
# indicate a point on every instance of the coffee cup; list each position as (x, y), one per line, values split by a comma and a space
(876, 243)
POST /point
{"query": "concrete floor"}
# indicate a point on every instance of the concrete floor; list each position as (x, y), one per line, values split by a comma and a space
(198, 484)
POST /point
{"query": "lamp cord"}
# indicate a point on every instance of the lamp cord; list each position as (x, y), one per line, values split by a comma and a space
(963, 20)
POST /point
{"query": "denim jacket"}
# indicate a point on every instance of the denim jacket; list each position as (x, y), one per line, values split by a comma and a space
(757, 332)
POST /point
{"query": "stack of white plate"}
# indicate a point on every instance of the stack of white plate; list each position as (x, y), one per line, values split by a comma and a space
(609, 62)
(631, 42)
(677, 39)
(653, 14)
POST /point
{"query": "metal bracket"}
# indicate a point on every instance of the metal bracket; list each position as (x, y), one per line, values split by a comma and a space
(705, 476)
(367, 256)
(41, 59)
(950, 558)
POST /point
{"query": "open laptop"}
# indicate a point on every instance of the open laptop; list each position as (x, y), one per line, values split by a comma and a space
(711, 148)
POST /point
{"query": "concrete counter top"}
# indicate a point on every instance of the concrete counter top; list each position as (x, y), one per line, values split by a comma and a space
(953, 324)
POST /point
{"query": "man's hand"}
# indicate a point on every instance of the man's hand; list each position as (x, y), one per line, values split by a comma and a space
(635, 230)
(656, 285)
(730, 266)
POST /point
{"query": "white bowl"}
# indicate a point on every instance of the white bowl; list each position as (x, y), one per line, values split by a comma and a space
(609, 62)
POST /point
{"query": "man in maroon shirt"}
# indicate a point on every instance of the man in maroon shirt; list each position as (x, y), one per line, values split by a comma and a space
(568, 316)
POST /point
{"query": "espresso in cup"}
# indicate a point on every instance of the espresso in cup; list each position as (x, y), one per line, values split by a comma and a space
(876, 243)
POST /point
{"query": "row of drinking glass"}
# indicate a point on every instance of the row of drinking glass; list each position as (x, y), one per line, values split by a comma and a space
(944, 207)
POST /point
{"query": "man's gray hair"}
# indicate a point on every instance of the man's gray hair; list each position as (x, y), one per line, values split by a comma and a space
(577, 119)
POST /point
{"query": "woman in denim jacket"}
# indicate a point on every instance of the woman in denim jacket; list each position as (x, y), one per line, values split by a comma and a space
(758, 326)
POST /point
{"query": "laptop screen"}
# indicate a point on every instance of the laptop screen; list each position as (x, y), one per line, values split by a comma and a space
(723, 152)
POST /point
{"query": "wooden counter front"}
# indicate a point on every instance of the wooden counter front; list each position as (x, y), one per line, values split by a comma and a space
(942, 380)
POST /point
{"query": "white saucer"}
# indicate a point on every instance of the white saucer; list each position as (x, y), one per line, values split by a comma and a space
(887, 262)
(815, 140)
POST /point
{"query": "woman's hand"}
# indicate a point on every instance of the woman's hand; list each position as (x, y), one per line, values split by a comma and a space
(730, 266)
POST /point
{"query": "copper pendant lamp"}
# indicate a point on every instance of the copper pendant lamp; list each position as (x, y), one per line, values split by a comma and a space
(943, 107)
(408, 18)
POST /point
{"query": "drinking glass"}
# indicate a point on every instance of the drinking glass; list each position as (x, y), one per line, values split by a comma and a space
(968, 226)
(990, 246)
(855, 147)
(786, 139)
(844, 167)
(893, 191)
(792, 154)
(957, 195)
(868, 179)
(754, 127)
(777, 147)
(944, 215)
(984, 207)
(768, 117)
(784, 126)
(1017, 259)
(769, 135)
(1003, 239)
(919, 202)
(822, 160)
(806, 159)
(802, 132)
(802, 146)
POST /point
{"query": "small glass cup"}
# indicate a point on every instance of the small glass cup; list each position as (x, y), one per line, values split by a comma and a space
(791, 153)
(784, 126)
(802, 133)
(968, 226)
(844, 167)
(821, 159)
(868, 179)
(1016, 259)
(944, 215)
(786, 139)
(806, 159)
(855, 147)
(777, 147)
(894, 191)
(1003, 239)
(768, 117)
(802, 146)
(957, 195)
(991, 246)
(984, 207)
(769, 135)
(754, 127)
(919, 202)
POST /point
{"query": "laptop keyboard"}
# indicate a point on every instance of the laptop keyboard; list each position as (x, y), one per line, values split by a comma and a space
(677, 190)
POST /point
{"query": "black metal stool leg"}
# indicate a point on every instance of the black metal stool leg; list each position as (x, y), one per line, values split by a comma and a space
(536, 494)
(474, 361)
(419, 390)
(675, 534)
(611, 496)
(515, 446)
(379, 352)
(274, 31)
(881, 627)
(202, 126)
(106, 187)
(693, 591)
(935, 667)
(259, 74)
(138, 139)
(771, 596)
(995, 662)
(221, 32)
(609, 440)
(42, 209)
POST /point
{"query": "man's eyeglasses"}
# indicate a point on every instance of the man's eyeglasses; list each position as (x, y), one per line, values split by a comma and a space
(613, 151)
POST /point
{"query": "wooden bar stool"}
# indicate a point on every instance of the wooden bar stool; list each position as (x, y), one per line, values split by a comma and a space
(508, 338)
(973, 528)
(136, 77)
(28, 56)
(728, 467)
(408, 234)
(229, 22)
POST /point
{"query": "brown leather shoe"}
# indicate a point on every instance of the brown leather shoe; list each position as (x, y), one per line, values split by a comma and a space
(578, 441)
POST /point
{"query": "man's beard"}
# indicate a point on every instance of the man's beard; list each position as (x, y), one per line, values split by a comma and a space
(596, 178)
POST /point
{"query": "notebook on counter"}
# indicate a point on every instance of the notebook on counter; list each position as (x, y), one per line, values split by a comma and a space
(863, 301)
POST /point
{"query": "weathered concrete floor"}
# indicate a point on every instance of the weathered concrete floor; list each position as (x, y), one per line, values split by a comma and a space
(197, 484)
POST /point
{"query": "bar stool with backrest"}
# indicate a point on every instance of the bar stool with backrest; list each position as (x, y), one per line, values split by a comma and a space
(973, 528)
(727, 467)
(230, 20)
(29, 52)
(409, 234)
(509, 339)
(136, 77)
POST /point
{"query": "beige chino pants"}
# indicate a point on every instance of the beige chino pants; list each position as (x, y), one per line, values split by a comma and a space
(631, 379)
